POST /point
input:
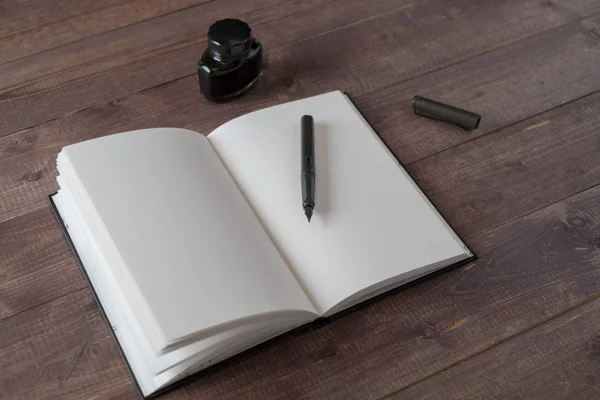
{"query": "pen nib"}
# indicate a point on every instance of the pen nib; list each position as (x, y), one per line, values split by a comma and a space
(308, 211)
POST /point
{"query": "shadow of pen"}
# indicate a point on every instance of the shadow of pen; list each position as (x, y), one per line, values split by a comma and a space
(322, 172)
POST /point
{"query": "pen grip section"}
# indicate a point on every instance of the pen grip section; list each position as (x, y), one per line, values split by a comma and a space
(308, 189)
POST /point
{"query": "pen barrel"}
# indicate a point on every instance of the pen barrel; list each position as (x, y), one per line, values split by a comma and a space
(308, 189)
(308, 144)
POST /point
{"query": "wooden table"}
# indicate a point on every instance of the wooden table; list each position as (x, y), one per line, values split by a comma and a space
(522, 322)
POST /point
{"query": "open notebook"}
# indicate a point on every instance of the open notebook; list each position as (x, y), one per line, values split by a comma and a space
(197, 248)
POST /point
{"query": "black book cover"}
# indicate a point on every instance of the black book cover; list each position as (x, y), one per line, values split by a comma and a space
(308, 327)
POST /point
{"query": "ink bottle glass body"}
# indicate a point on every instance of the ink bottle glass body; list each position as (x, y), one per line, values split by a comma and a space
(232, 63)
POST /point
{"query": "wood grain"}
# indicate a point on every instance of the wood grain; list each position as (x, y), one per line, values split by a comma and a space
(146, 59)
(61, 349)
(185, 28)
(39, 25)
(556, 360)
(96, 71)
(504, 86)
(487, 182)
(529, 270)
(36, 264)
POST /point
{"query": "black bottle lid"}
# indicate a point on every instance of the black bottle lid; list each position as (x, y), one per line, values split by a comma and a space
(229, 39)
(443, 112)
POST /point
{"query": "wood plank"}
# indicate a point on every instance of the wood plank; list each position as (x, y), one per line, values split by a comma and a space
(529, 270)
(31, 154)
(186, 26)
(504, 86)
(29, 27)
(36, 264)
(61, 349)
(92, 72)
(139, 57)
(481, 184)
(556, 360)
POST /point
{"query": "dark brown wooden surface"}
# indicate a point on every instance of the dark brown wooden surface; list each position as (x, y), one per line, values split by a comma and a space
(526, 367)
(523, 190)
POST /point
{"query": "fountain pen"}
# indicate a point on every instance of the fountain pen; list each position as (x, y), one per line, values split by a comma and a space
(308, 166)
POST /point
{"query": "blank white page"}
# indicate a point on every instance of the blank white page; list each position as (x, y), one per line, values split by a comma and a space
(195, 250)
(371, 222)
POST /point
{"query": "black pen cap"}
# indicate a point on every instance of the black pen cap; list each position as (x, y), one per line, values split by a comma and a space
(443, 112)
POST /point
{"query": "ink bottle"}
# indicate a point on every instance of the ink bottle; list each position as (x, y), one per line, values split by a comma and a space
(232, 63)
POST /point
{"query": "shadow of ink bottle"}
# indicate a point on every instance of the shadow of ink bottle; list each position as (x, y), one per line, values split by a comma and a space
(232, 63)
